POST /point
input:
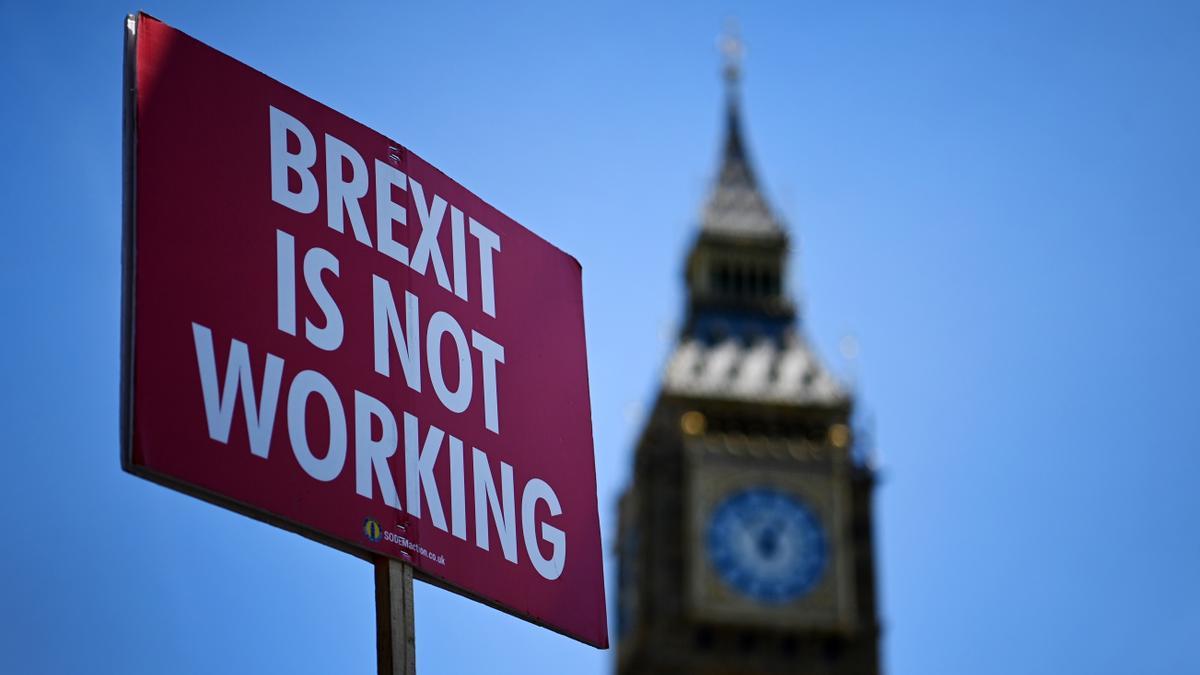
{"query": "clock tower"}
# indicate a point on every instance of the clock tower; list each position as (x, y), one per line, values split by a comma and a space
(745, 541)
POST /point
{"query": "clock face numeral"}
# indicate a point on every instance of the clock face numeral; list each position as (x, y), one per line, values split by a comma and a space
(767, 545)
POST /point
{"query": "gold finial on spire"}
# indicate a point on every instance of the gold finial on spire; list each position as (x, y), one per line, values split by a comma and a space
(733, 50)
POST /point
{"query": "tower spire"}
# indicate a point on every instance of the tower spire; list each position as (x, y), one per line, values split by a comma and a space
(736, 206)
(733, 51)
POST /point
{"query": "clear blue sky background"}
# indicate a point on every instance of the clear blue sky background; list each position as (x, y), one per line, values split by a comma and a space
(1000, 200)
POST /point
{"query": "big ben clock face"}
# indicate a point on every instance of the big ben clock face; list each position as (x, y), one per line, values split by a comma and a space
(767, 545)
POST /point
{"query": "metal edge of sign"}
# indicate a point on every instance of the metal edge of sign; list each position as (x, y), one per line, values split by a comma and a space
(128, 314)
(128, 232)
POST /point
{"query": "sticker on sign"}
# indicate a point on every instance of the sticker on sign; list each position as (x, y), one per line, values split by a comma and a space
(323, 331)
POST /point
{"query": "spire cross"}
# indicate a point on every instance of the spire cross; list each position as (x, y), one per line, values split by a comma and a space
(733, 50)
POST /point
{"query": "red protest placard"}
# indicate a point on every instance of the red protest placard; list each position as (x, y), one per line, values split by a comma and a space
(327, 333)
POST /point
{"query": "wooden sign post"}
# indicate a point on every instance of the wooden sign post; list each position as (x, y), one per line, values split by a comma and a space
(394, 636)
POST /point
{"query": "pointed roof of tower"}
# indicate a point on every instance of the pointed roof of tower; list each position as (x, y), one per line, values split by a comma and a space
(740, 341)
(736, 206)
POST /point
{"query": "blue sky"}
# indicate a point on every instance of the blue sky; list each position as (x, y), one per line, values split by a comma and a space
(1001, 201)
